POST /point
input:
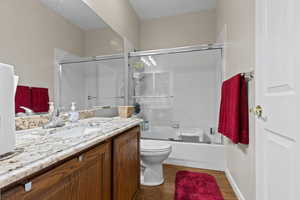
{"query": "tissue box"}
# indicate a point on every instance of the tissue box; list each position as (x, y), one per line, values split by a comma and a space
(126, 111)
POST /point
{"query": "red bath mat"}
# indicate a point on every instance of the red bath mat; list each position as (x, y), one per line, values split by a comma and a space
(196, 186)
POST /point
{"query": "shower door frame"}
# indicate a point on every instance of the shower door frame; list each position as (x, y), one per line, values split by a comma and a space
(126, 57)
(185, 49)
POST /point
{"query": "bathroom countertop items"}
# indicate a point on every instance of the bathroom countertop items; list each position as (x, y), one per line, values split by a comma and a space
(40, 148)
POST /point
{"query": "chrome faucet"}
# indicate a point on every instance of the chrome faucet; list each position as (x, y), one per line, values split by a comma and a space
(28, 111)
(55, 119)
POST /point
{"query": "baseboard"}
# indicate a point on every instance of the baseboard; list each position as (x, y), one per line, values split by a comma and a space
(193, 164)
(233, 184)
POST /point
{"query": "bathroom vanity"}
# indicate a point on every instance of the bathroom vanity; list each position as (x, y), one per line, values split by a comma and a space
(101, 163)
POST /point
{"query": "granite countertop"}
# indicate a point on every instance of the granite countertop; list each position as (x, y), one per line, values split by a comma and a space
(40, 148)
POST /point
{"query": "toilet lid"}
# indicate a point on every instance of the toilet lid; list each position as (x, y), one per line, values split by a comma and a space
(152, 145)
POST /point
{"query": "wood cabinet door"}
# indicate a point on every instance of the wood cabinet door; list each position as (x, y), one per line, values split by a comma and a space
(57, 183)
(86, 177)
(94, 177)
(126, 165)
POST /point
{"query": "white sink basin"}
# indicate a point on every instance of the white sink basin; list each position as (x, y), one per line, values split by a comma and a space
(71, 132)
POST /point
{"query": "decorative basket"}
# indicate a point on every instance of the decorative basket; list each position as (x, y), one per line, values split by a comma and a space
(126, 111)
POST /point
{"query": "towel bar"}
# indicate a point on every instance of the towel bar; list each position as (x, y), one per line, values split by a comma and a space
(248, 75)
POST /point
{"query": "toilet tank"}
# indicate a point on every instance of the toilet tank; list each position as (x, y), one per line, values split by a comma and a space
(7, 109)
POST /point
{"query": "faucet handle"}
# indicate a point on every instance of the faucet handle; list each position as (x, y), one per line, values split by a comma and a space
(28, 111)
(175, 125)
(57, 112)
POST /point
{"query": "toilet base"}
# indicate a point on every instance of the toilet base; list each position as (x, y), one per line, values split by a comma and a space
(152, 183)
(152, 175)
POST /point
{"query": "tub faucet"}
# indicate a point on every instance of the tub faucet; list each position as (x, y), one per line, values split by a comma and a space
(176, 127)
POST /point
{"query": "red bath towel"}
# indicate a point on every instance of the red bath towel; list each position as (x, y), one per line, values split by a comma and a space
(40, 99)
(234, 115)
(22, 98)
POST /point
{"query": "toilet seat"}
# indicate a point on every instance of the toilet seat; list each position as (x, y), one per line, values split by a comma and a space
(154, 146)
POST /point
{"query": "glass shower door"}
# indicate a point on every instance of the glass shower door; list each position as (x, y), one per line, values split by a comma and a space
(110, 82)
(178, 94)
(92, 84)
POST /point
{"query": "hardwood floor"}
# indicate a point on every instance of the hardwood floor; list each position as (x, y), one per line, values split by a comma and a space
(166, 191)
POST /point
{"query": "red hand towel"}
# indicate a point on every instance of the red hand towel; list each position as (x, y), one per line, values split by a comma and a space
(234, 115)
(22, 98)
(40, 99)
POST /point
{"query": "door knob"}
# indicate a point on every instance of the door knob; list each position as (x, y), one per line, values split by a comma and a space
(258, 112)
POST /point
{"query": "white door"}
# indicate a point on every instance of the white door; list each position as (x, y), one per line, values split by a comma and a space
(278, 93)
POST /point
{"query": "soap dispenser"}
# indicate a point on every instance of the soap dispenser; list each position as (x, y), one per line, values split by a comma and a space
(73, 115)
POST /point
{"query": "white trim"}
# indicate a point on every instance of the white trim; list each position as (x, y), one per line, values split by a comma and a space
(195, 164)
(234, 185)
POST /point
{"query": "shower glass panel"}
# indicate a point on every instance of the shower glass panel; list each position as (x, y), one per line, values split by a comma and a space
(179, 95)
(92, 84)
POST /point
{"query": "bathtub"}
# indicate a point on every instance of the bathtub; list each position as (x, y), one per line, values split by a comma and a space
(197, 155)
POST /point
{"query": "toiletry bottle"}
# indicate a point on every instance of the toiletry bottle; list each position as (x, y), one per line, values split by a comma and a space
(215, 137)
(51, 107)
(146, 125)
(176, 127)
(51, 110)
(73, 115)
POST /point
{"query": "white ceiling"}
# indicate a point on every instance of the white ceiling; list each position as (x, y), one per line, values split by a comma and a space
(77, 12)
(149, 9)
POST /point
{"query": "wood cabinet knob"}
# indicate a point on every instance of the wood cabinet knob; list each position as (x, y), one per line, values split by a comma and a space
(80, 158)
(28, 186)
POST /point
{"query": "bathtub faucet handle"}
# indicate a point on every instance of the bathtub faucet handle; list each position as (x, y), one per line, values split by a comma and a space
(175, 125)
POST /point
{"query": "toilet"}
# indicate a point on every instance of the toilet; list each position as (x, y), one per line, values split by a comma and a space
(153, 153)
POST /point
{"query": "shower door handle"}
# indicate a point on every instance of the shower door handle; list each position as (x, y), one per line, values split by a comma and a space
(117, 97)
(91, 97)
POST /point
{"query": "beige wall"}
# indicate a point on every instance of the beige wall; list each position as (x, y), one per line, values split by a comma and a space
(33, 31)
(102, 42)
(120, 16)
(238, 17)
(29, 34)
(180, 30)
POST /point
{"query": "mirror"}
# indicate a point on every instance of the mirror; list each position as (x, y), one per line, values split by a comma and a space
(41, 33)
